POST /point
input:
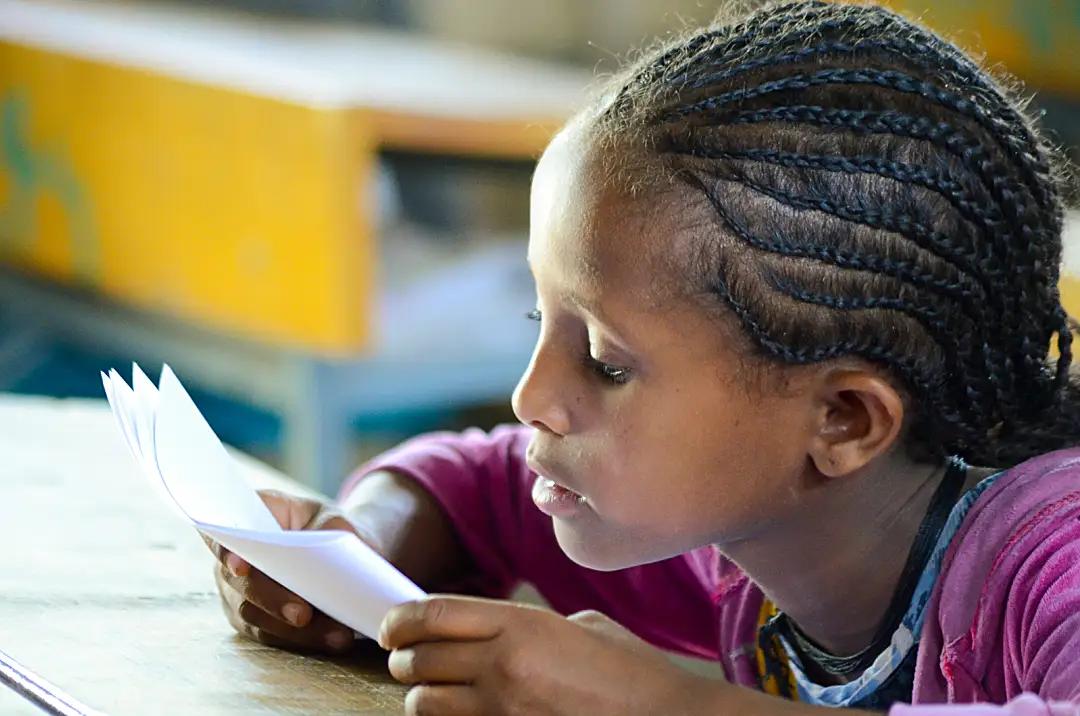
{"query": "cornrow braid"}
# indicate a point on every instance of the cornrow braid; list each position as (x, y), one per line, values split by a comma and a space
(957, 286)
(677, 54)
(931, 179)
(877, 195)
(958, 69)
(991, 172)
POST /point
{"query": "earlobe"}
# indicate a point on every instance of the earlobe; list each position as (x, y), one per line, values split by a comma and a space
(860, 416)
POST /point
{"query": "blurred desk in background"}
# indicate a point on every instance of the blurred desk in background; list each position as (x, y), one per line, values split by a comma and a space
(106, 593)
(1070, 278)
(1035, 40)
(205, 185)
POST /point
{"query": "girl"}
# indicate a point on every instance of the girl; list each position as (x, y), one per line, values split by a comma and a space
(792, 406)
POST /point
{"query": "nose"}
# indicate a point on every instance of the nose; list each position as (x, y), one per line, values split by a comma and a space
(538, 400)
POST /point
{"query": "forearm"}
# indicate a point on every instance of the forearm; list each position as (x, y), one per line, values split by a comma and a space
(404, 524)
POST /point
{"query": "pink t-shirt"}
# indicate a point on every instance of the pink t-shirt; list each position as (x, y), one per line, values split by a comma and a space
(1001, 634)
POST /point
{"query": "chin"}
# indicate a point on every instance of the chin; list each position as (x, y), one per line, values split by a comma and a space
(602, 554)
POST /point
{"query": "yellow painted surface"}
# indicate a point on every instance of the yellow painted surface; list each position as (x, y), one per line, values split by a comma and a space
(226, 210)
(1070, 295)
(1035, 40)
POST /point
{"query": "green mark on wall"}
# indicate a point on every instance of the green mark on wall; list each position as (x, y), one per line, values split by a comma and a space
(36, 170)
(1038, 20)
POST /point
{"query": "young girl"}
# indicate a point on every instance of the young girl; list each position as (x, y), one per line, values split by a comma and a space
(792, 406)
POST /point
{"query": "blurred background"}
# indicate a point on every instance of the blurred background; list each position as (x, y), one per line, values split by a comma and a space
(315, 212)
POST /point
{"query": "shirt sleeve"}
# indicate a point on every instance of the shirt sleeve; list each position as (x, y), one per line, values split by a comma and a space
(481, 481)
(1040, 627)
(1024, 705)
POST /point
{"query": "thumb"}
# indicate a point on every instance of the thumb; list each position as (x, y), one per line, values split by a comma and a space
(292, 512)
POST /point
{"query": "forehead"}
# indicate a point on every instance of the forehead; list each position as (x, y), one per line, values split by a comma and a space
(596, 233)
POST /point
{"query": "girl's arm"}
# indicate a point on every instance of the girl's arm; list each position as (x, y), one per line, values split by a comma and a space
(454, 512)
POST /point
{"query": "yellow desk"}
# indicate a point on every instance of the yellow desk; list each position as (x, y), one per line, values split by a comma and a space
(1070, 280)
(218, 168)
(108, 595)
(210, 179)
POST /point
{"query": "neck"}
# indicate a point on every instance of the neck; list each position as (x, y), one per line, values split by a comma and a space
(834, 568)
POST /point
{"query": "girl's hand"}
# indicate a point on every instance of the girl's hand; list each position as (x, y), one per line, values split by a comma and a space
(261, 609)
(467, 657)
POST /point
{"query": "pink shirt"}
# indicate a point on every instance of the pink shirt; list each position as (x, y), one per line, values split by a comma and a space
(1002, 627)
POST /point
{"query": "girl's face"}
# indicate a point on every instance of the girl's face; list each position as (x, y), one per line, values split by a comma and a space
(644, 418)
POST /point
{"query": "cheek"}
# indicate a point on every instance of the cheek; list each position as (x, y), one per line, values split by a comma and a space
(652, 476)
(692, 466)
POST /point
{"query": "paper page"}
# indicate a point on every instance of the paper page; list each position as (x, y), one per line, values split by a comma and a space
(183, 459)
(145, 407)
(120, 401)
(334, 570)
(197, 470)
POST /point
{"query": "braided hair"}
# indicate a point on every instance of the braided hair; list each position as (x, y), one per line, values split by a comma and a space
(877, 195)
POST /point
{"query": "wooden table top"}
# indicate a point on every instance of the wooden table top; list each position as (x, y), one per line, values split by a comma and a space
(108, 595)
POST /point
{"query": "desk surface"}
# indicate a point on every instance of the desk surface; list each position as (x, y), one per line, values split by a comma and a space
(108, 595)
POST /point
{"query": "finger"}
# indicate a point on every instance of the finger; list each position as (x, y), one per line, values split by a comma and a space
(322, 634)
(233, 562)
(443, 617)
(269, 596)
(248, 631)
(290, 511)
(443, 662)
(329, 520)
(230, 604)
(428, 700)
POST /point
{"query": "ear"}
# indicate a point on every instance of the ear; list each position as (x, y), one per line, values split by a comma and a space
(859, 416)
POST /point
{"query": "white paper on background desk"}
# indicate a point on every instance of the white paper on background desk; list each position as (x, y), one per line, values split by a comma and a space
(188, 466)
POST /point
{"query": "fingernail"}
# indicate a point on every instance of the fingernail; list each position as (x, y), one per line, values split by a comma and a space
(233, 563)
(338, 640)
(292, 613)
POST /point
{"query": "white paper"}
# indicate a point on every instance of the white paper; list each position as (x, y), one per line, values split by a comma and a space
(188, 466)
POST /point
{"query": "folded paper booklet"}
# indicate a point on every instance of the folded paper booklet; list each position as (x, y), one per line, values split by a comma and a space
(185, 462)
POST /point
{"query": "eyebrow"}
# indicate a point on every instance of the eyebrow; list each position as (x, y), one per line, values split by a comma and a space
(592, 307)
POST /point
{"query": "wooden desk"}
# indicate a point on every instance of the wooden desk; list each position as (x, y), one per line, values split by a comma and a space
(108, 595)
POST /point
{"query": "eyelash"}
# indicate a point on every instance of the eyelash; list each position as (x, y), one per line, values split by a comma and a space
(607, 372)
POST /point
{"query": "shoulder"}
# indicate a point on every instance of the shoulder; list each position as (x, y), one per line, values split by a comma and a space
(1022, 500)
(1001, 559)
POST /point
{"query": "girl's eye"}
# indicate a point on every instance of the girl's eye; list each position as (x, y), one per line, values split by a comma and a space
(609, 373)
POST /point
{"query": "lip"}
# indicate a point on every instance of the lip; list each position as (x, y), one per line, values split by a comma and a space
(552, 496)
(556, 501)
(544, 470)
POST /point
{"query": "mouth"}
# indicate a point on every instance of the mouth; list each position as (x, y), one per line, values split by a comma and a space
(551, 494)
(555, 487)
(550, 475)
(556, 500)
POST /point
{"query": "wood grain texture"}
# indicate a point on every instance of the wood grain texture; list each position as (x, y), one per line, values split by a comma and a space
(109, 595)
